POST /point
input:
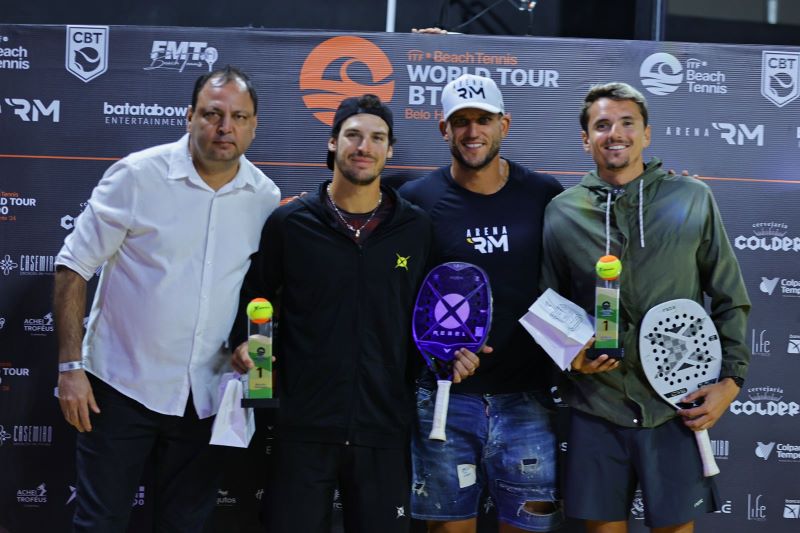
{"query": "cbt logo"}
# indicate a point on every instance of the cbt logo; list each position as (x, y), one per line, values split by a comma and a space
(661, 74)
(780, 72)
(33, 110)
(177, 55)
(342, 67)
(87, 51)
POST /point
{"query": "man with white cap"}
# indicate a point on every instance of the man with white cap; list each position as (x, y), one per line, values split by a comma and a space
(488, 210)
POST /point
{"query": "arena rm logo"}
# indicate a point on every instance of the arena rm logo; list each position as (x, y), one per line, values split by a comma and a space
(87, 51)
(780, 72)
(662, 74)
(33, 110)
(755, 509)
(738, 134)
(487, 240)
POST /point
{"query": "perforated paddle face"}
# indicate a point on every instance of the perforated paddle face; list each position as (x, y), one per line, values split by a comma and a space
(679, 349)
(453, 310)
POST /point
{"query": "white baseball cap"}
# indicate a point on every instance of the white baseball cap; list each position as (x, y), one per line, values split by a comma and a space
(471, 91)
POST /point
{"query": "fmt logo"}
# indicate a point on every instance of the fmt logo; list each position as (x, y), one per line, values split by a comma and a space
(763, 451)
(32, 110)
(486, 240)
(736, 134)
(661, 74)
(780, 72)
(87, 51)
(755, 509)
(342, 67)
(177, 55)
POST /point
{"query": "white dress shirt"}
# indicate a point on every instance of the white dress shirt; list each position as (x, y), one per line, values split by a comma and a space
(174, 253)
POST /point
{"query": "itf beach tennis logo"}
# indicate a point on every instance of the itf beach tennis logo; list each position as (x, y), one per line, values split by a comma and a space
(780, 76)
(87, 51)
(662, 73)
(342, 67)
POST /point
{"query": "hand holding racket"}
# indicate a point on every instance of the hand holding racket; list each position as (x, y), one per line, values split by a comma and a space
(453, 311)
(681, 353)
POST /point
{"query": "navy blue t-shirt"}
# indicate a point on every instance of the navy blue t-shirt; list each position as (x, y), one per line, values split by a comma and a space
(501, 233)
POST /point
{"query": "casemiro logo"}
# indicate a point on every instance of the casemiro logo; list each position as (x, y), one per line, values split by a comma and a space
(144, 114)
(662, 74)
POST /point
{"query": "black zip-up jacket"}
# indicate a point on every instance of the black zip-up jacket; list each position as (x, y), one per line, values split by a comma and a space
(344, 326)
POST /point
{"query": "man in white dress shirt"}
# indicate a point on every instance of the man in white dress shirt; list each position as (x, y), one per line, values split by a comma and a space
(173, 228)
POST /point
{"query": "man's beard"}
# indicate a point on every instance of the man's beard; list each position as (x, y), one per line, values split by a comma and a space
(351, 176)
(494, 149)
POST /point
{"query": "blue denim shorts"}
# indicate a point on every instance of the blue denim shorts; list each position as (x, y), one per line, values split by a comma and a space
(503, 442)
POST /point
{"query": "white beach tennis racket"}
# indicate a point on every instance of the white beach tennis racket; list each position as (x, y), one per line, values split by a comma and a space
(680, 353)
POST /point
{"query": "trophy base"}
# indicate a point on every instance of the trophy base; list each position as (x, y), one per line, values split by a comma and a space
(261, 403)
(613, 353)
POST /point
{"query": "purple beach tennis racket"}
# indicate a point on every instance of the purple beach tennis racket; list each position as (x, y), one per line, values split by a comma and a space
(680, 353)
(453, 310)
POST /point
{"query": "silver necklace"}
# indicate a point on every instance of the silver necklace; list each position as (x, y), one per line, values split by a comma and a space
(356, 231)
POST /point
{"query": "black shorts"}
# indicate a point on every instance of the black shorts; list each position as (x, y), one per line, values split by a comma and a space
(374, 485)
(606, 461)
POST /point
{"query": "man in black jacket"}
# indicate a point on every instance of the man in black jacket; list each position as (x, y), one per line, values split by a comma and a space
(344, 265)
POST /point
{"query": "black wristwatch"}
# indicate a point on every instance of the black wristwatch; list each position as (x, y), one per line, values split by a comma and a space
(736, 379)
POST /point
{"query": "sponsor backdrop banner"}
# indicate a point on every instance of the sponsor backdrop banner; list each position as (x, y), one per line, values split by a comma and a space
(73, 99)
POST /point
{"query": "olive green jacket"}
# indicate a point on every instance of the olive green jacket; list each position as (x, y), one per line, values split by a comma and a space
(686, 254)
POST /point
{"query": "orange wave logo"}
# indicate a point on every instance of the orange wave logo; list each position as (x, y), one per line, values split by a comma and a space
(349, 53)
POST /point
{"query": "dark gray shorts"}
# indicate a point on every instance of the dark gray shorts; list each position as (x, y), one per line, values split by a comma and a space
(605, 462)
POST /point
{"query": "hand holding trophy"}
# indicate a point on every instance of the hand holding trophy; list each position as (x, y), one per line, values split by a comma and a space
(258, 380)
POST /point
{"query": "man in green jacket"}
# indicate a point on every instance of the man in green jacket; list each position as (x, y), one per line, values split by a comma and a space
(668, 233)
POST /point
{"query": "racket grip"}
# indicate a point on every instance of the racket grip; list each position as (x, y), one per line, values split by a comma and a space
(710, 467)
(440, 410)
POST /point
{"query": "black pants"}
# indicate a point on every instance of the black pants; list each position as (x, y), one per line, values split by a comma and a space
(111, 458)
(374, 485)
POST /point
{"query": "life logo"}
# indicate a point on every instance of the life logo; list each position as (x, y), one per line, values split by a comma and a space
(87, 51)
(780, 76)
(662, 74)
(342, 67)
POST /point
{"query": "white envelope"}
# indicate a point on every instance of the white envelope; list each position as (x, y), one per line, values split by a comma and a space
(559, 326)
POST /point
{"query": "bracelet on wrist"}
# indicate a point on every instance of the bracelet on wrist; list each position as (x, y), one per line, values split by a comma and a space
(69, 366)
